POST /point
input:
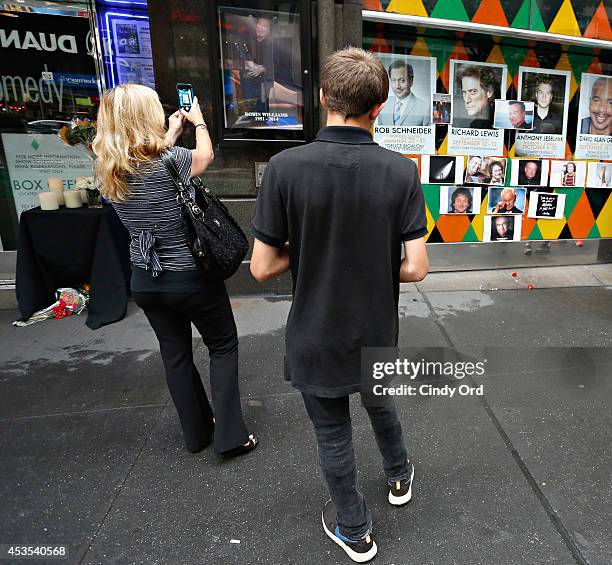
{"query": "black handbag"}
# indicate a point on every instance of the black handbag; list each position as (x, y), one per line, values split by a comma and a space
(215, 239)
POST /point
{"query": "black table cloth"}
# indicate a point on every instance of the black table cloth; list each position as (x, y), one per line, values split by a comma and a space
(69, 247)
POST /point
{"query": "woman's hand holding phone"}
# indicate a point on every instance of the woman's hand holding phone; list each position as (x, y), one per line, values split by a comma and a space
(175, 127)
(175, 122)
(195, 114)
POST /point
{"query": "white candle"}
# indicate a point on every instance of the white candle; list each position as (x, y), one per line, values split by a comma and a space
(48, 201)
(55, 182)
(73, 199)
(56, 185)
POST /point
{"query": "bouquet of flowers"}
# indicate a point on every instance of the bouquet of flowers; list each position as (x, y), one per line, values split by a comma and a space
(79, 132)
(69, 301)
(89, 185)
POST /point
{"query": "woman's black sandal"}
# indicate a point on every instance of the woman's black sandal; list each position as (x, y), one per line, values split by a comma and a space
(242, 449)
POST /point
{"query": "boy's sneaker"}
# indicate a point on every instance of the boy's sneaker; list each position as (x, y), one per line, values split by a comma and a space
(400, 492)
(359, 551)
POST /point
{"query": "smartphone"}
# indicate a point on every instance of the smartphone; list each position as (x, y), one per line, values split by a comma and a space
(185, 95)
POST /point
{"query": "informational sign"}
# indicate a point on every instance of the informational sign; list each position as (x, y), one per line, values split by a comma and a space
(549, 91)
(136, 71)
(405, 123)
(132, 38)
(474, 87)
(594, 132)
(33, 158)
(260, 169)
(129, 51)
(262, 69)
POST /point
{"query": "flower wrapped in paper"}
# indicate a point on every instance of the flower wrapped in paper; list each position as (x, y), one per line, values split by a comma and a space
(69, 301)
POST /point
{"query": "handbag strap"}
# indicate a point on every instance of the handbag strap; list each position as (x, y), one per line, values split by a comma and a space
(170, 164)
(184, 194)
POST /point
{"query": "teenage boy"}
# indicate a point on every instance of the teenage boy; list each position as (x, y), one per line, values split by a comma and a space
(344, 205)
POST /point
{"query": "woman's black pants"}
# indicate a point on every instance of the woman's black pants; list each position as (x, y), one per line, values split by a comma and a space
(170, 316)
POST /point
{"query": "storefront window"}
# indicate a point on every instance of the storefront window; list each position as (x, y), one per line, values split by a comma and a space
(48, 81)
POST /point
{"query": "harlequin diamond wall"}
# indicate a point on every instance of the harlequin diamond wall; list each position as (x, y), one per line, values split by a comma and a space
(577, 17)
(588, 212)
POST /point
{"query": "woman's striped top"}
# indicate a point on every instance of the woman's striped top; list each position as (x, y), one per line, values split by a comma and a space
(153, 217)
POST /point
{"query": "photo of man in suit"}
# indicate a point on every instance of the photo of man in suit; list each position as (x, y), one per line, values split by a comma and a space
(403, 107)
(507, 201)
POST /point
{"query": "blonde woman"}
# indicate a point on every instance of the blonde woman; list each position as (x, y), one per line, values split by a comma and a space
(166, 282)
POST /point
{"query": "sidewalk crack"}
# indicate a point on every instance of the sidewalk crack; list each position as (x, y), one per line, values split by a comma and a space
(552, 515)
(84, 552)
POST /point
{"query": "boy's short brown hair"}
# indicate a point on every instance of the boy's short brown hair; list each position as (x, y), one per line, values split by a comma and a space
(353, 82)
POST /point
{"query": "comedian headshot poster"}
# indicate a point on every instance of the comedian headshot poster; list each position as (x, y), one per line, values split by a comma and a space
(549, 90)
(474, 87)
(405, 123)
(594, 131)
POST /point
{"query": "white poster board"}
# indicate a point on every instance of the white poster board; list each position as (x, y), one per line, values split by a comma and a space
(594, 129)
(33, 158)
(405, 123)
(474, 87)
(549, 89)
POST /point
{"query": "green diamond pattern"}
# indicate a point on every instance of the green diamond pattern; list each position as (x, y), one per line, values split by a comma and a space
(432, 199)
(594, 233)
(470, 235)
(536, 22)
(521, 20)
(536, 233)
(35, 144)
(450, 10)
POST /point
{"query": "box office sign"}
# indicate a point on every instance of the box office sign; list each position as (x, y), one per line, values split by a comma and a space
(33, 158)
(43, 56)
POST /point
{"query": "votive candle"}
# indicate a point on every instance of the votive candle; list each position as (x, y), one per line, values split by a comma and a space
(56, 185)
(73, 199)
(48, 200)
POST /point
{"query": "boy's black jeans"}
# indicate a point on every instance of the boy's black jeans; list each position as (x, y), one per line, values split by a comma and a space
(332, 423)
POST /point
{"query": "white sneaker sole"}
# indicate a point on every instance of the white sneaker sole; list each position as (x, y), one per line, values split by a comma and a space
(401, 500)
(356, 557)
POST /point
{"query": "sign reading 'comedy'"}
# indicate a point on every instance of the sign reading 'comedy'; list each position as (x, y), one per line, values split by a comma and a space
(42, 56)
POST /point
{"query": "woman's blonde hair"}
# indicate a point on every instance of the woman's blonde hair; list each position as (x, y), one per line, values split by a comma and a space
(130, 131)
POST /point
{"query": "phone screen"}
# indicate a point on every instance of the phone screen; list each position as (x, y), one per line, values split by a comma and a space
(185, 96)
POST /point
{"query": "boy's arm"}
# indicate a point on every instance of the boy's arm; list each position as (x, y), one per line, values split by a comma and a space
(415, 264)
(267, 261)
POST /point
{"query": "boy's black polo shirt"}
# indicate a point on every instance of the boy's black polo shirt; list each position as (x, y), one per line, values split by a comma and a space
(345, 204)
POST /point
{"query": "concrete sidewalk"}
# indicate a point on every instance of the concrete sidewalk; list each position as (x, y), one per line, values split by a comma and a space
(92, 455)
